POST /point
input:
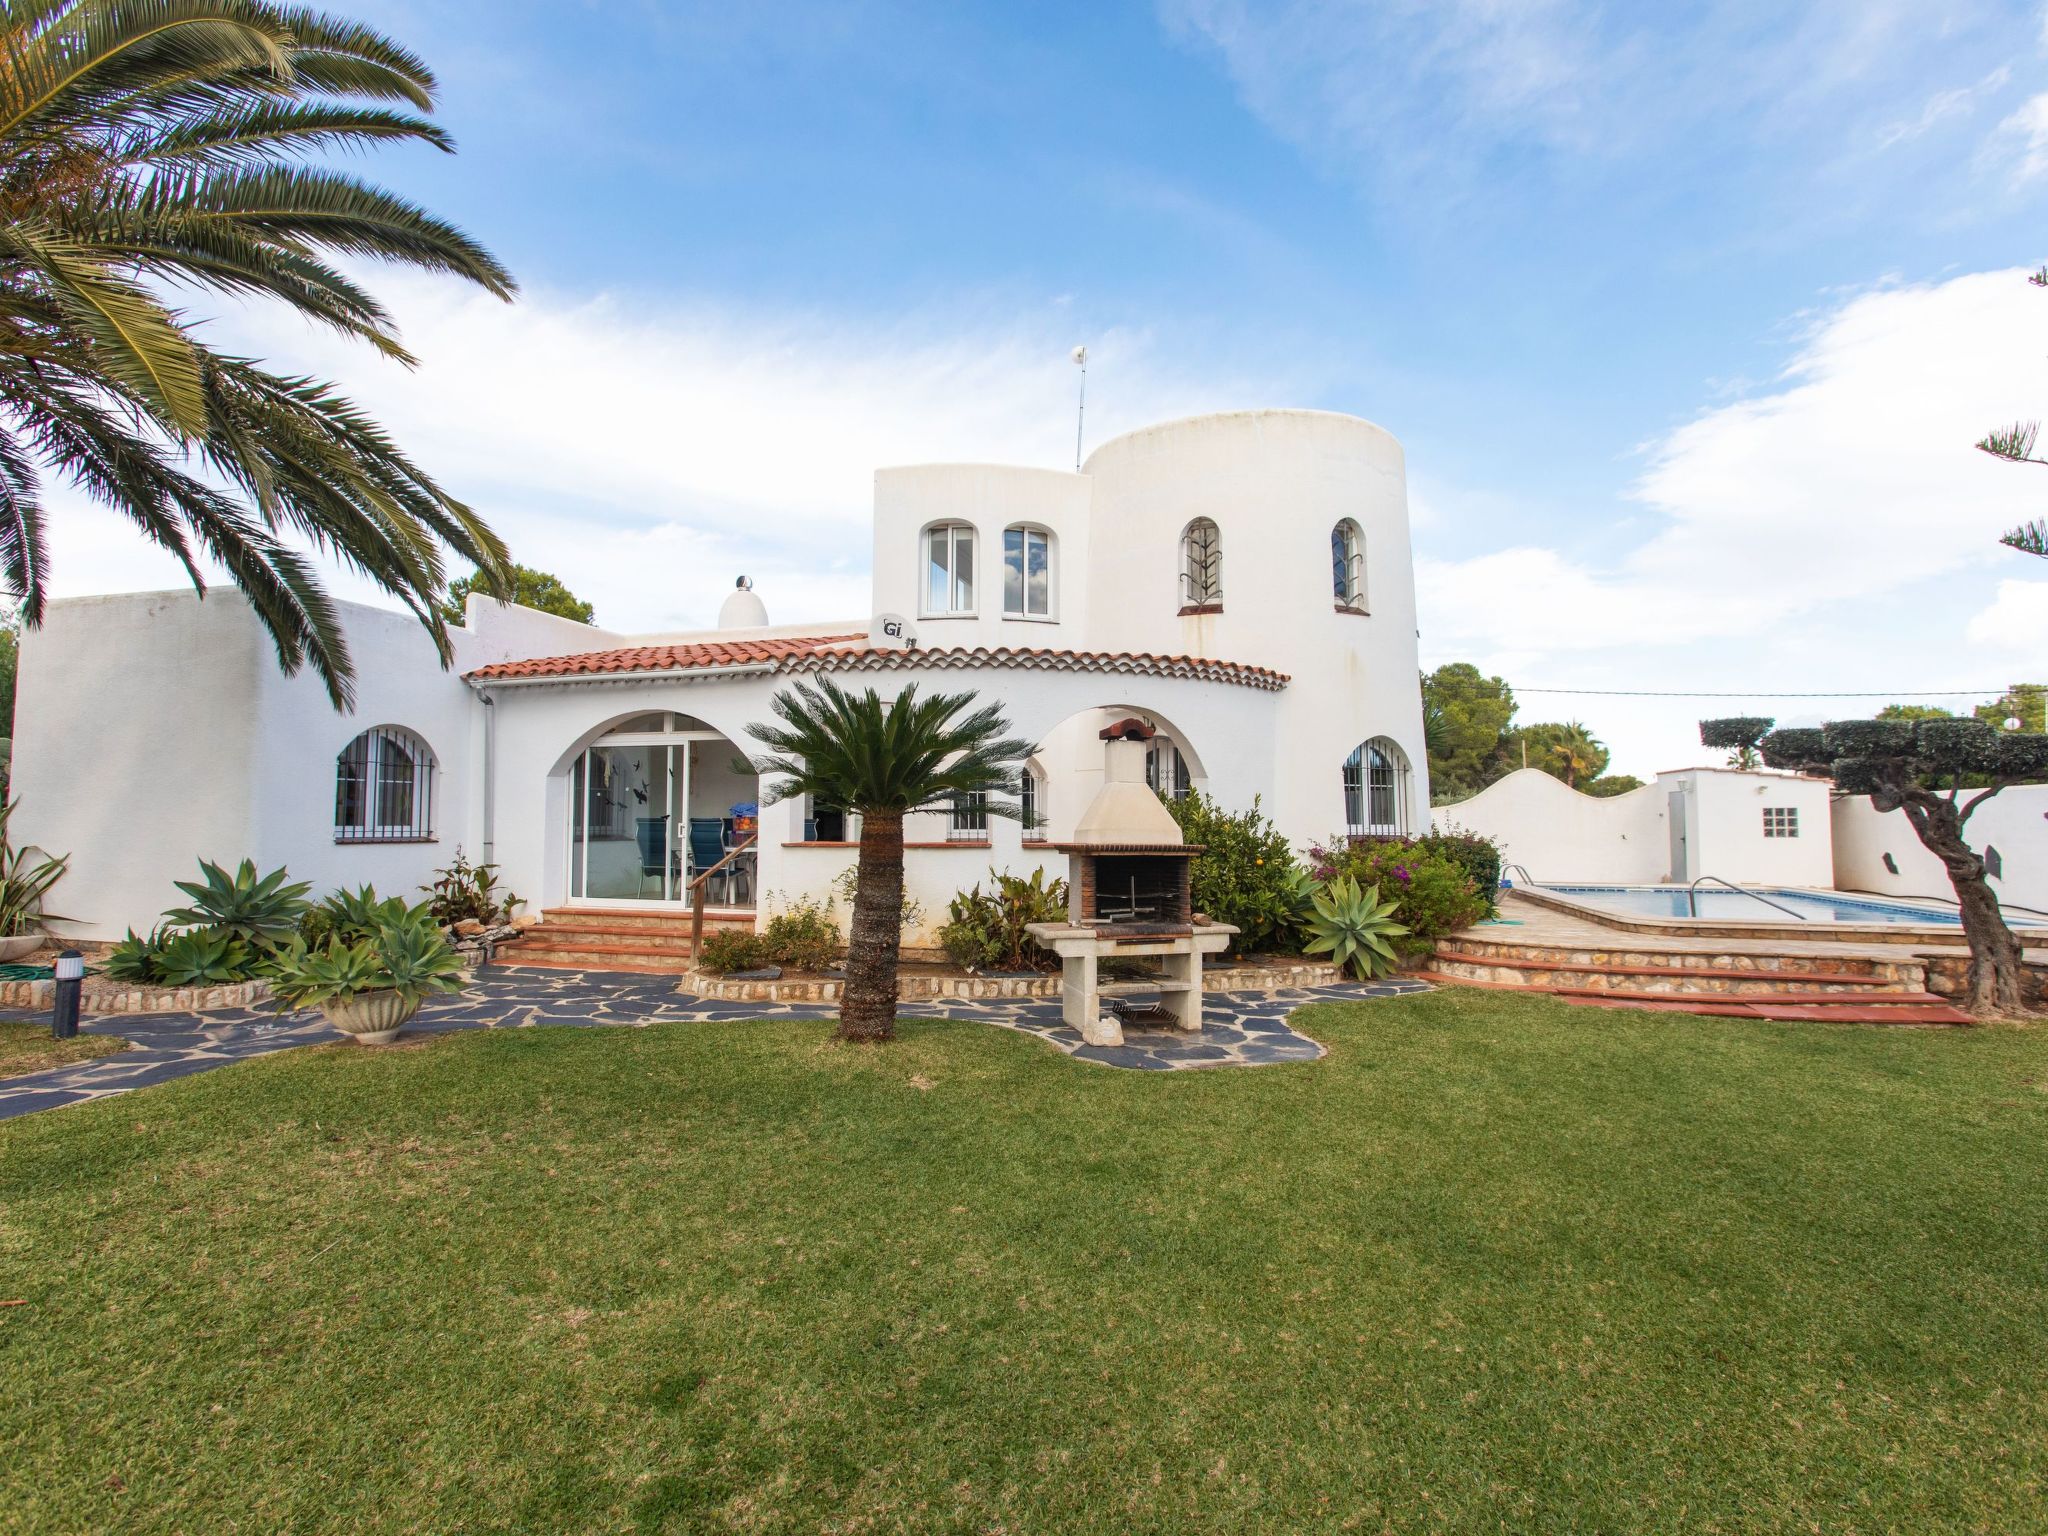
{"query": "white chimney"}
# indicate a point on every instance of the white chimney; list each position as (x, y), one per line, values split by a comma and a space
(1126, 812)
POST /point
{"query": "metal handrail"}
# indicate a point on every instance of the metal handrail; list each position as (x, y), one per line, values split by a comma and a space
(1947, 901)
(697, 894)
(1522, 870)
(1692, 897)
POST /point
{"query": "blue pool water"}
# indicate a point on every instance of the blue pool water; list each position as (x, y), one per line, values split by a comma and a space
(1739, 906)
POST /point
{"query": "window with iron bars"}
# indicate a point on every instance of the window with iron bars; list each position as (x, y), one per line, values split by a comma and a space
(969, 823)
(384, 788)
(1201, 565)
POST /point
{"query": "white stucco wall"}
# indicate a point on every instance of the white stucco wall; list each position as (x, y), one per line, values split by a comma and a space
(2015, 822)
(156, 729)
(1563, 836)
(1727, 827)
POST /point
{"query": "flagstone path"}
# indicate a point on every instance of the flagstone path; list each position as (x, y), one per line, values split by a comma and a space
(1240, 1029)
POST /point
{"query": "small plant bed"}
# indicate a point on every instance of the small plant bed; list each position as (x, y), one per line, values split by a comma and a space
(26, 1046)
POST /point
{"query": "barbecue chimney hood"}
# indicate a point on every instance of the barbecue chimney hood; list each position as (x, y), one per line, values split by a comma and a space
(1126, 813)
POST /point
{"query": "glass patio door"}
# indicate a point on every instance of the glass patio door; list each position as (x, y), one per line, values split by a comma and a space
(628, 822)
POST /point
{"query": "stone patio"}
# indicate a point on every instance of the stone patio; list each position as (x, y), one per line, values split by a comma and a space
(1239, 1030)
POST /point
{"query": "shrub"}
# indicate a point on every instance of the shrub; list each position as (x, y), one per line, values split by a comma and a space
(1431, 895)
(803, 936)
(847, 881)
(1473, 852)
(1355, 927)
(732, 949)
(257, 909)
(356, 914)
(987, 931)
(204, 957)
(134, 958)
(26, 876)
(1246, 875)
(466, 892)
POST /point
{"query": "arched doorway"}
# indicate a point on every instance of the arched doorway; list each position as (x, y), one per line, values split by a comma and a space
(654, 802)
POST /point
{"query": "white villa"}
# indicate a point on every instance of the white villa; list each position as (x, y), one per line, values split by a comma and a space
(1240, 582)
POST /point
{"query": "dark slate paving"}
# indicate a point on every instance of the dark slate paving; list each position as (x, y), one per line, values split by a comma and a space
(1240, 1029)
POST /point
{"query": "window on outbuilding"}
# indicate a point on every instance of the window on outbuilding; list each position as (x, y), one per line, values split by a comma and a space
(1201, 565)
(1781, 821)
(1027, 573)
(1347, 565)
(949, 570)
(384, 788)
(1376, 790)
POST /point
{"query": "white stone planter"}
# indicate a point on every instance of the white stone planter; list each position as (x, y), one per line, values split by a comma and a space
(373, 1018)
(20, 945)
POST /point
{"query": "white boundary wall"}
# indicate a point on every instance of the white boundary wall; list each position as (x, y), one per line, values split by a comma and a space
(1560, 835)
(2015, 822)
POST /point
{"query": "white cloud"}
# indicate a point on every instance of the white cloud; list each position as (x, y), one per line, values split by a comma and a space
(1943, 105)
(2016, 623)
(1835, 531)
(2025, 135)
(647, 453)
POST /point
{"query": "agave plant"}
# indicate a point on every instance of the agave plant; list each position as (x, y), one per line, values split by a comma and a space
(135, 957)
(203, 957)
(1353, 927)
(26, 876)
(402, 953)
(259, 909)
(357, 914)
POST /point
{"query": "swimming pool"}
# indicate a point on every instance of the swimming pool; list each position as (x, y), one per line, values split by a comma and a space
(1740, 906)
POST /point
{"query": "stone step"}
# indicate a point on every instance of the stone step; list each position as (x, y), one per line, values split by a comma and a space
(597, 957)
(1542, 976)
(578, 934)
(1731, 958)
(615, 919)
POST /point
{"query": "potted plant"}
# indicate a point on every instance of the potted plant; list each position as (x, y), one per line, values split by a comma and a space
(369, 986)
(26, 876)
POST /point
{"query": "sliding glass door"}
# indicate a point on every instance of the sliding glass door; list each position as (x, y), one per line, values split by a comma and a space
(629, 830)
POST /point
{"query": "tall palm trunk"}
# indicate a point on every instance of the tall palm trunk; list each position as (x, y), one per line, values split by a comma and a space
(867, 1009)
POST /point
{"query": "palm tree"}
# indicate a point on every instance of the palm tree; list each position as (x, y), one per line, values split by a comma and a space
(885, 760)
(157, 146)
(1576, 753)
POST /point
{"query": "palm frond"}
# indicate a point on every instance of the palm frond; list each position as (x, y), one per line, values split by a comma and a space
(2029, 538)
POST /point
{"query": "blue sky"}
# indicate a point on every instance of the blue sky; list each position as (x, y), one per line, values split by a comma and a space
(1686, 314)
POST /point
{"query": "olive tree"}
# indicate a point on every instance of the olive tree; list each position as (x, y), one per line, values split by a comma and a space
(1901, 765)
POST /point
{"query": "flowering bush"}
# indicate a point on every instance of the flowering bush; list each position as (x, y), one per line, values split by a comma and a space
(1432, 894)
(1246, 875)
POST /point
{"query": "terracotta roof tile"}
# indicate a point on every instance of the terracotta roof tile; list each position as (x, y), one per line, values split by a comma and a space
(667, 658)
(846, 653)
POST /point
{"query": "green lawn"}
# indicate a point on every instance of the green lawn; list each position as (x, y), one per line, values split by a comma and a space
(1496, 1264)
(28, 1047)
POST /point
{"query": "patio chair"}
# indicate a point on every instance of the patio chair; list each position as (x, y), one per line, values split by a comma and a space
(652, 832)
(707, 847)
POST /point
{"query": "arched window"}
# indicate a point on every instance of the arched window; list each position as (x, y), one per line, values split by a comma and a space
(1027, 572)
(1347, 565)
(384, 788)
(949, 570)
(1201, 565)
(1376, 790)
(1032, 802)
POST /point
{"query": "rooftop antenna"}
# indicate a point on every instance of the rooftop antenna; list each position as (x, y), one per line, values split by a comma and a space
(1080, 357)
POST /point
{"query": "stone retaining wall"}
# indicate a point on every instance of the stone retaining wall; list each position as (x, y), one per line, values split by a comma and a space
(102, 996)
(912, 989)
